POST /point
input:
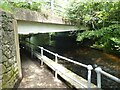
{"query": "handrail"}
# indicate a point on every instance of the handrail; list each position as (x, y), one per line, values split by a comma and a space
(110, 76)
(99, 71)
(89, 67)
(67, 59)
(48, 51)
(72, 61)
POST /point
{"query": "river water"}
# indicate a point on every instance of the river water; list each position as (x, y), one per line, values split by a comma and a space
(107, 62)
(96, 58)
(85, 55)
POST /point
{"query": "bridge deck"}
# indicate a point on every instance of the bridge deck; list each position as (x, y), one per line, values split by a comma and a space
(66, 74)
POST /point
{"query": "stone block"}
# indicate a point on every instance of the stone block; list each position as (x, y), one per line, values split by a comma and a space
(8, 37)
(10, 83)
(9, 51)
(7, 22)
(8, 62)
(4, 58)
(4, 69)
(6, 65)
(12, 60)
(6, 85)
(12, 80)
(7, 76)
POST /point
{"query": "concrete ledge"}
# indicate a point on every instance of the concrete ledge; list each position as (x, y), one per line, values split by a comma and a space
(28, 15)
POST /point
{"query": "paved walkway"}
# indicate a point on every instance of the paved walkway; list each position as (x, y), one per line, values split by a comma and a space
(35, 76)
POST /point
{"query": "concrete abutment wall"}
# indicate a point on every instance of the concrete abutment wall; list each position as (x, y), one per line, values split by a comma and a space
(9, 51)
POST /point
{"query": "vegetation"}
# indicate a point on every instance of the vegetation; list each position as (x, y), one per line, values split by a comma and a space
(36, 6)
(103, 20)
(43, 6)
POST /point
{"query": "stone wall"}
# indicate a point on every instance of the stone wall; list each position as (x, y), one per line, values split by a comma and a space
(8, 58)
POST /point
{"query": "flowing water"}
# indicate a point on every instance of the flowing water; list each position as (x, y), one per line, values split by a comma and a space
(107, 62)
(96, 58)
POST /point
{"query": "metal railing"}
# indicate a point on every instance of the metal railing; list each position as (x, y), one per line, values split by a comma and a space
(89, 67)
(99, 71)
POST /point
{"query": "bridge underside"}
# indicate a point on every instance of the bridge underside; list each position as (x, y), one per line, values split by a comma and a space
(25, 27)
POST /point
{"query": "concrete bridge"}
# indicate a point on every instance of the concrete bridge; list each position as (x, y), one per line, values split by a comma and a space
(22, 21)
(34, 22)
(25, 22)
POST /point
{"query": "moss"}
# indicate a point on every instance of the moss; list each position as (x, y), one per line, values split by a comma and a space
(7, 76)
(4, 69)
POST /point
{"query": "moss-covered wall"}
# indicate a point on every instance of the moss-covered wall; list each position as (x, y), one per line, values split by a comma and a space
(8, 58)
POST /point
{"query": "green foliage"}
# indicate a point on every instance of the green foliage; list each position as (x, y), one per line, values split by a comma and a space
(107, 38)
(103, 20)
(95, 15)
(32, 6)
(7, 6)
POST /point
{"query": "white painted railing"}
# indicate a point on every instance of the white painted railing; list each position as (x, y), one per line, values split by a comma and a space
(99, 71)
(89, 67)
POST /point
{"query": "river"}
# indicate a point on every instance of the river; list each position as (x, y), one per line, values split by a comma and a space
(109, 63)
(85, 55)
(96, 58)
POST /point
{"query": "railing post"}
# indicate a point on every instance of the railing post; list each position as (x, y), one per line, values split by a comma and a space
(31, 51)
(98, 69)
(41, 55)
(89, 75)
(41, 51)
(56, 60)
(56, 57)
(56, 78)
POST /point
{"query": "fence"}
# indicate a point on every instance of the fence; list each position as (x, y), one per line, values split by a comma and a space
(98, 70)
(89, 67)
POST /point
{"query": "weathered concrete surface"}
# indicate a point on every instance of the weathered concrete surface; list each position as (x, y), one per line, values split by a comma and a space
(33, 16)
(28, 15)
(36, 22)
(35, 76)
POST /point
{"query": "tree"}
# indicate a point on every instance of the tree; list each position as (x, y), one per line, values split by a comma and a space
(99, 17)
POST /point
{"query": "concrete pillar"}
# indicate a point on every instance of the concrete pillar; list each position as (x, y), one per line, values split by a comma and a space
(17, 48)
